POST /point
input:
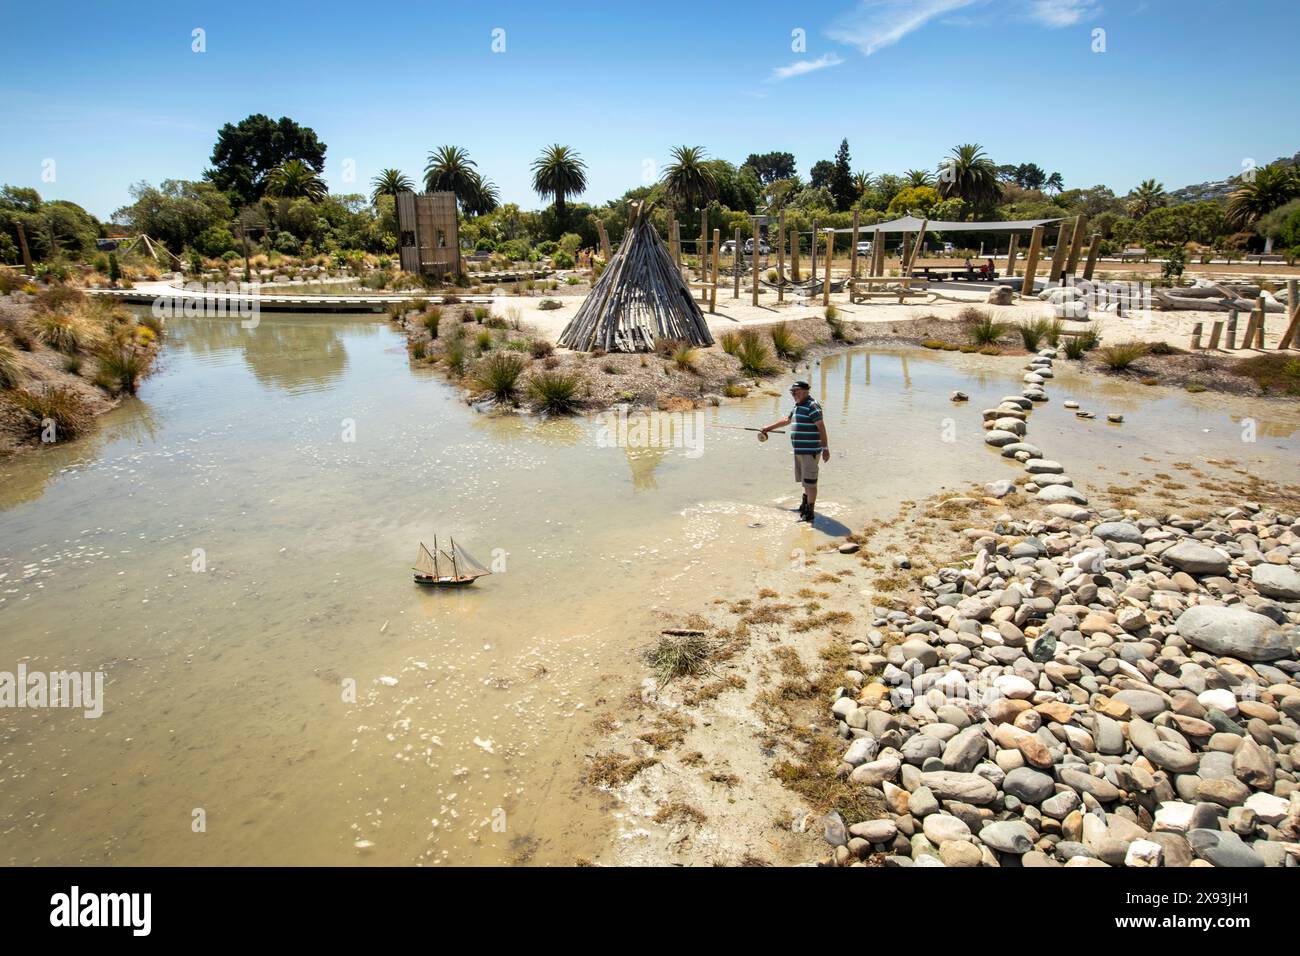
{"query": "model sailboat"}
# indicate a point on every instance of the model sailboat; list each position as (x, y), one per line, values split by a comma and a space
(452, 567)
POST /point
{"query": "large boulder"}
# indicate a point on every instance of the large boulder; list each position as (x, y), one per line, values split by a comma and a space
(1234, 632)
(1196, 558)
(1276, 581)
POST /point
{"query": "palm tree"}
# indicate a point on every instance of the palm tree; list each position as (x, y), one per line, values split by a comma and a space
(1054, 184)
(390, 182)
(918, 177)
(969, 174)
(861, 182)
(483, 197)
(1148, 195)
(559, 172)
(1261, 193)
(687, 179)
(294, 179)
(451, 170)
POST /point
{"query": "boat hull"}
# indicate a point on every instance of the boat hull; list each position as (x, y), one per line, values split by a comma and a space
(432, 582)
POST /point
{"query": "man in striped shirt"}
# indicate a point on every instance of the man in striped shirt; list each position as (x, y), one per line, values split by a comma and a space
(808, 439)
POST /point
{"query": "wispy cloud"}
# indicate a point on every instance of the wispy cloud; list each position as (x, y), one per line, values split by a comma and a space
(800, 67)
(876, 24)
(1062, 13)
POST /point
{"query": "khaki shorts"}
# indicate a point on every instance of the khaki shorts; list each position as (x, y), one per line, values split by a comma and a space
(805, 468)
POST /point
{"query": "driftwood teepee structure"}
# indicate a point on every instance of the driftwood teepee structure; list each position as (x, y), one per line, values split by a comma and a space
(639, 298)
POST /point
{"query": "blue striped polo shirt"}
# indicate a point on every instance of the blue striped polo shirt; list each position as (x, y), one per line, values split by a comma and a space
(804, 436)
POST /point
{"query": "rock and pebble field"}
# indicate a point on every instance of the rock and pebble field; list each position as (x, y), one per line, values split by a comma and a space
(1091, 688)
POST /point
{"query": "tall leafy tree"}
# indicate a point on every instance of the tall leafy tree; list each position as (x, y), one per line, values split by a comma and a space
(246, 152)
(1054, 184)
(483, 197)
(819, 177)
(688, 180)
(841, 184)
(861, 182)
(1144, 197)
(918, 177)
(294, 179)
(968, 174)
(390, 182)
(559, 172)
(1259, 194)
(771, 167)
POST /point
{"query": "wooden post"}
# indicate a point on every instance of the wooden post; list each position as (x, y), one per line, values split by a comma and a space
(1216, 332)
(853, 254)
(1076, 244)
(22, 244)
(1094, 250)
(735, 267)
(1292, 334)
(830, 248)
(916, 249)
(713, 294)
(1031, 260)
(704, 252)
(813, 253)
(1011, 255)
(1196, 337)
(604, 240)
(754, 294)
(877, 254)
(1230, 341)
(1261, 314)
(780, 257)
(904, 255)
(675, 240)
(794, 255)
(1059, 254)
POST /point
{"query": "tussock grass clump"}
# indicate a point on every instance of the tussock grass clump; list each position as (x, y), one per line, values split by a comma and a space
(10, 371)
(1121, 355)
(120, 369)
(499, 374)
(730, 342)
(1074, 348)
(1278, 374)
(754, 355)
(66, 333)
(684, 358)
(554, 392)
(982, 328)
(540, 348)
(735, 390)
(679, 656)
(483, 341)
(430, 320)
(784, 344)
(58, 298)
(61, 406)
(1090, 337)
(1034, 332)
(838, 327)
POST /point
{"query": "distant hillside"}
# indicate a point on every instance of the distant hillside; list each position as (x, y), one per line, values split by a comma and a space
(1217, 189)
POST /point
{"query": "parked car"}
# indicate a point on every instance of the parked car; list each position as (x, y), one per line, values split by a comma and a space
(864, 247)
(729, 248)
(763, 247)
(949, 248)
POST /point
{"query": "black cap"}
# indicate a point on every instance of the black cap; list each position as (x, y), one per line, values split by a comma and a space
(803, 385)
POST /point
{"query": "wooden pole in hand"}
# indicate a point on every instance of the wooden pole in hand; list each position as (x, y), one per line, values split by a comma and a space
(1031, 260)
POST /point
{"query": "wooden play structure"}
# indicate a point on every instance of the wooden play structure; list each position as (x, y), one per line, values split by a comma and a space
(1223, 333)
(427, 236)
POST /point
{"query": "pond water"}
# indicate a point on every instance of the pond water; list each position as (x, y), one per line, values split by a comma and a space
(232, 550)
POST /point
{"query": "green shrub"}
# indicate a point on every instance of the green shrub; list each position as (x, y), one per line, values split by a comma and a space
(784, 344)
(62, 406)
(1033, 333)
(554, 392)
(10, 371)
(499, 374)
(982, 328)
(483, 341)
(754, 355)
(120, 369)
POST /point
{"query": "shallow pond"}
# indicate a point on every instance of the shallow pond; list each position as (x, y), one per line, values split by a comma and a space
(233, 548)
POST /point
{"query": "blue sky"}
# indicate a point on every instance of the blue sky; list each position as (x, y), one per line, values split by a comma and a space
(1184, 91)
